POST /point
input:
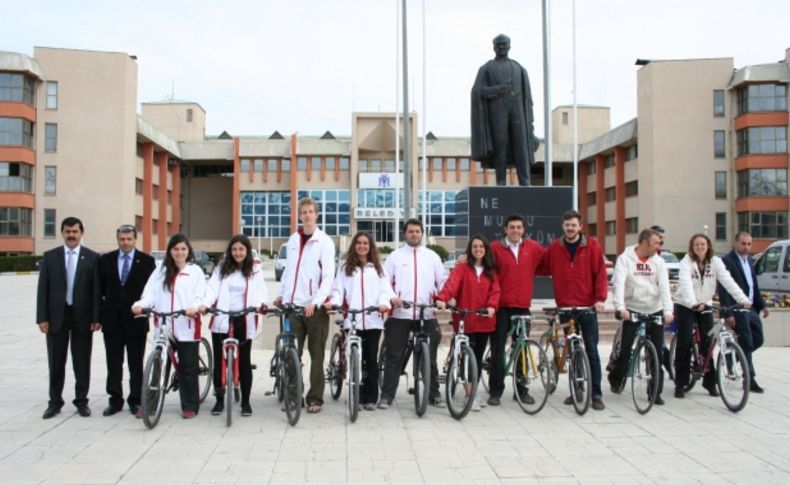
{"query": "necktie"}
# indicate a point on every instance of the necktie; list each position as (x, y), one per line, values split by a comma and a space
(71, 270)
(125, 269)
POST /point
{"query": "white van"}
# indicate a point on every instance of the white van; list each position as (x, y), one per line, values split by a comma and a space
(773, 268)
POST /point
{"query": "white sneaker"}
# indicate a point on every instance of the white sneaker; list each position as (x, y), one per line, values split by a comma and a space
(475, 406)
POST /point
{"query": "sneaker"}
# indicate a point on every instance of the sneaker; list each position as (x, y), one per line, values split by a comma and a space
(598, 405)
(711, 388)
(524, 397)
(493, 401)
(754, 387)
(369, 406)
(659, 401)
(188, 414)
(218, 408)
(568, 401)
(246, 410)
(438, 403)
(384, 404)
(679, 393)
(475, 406)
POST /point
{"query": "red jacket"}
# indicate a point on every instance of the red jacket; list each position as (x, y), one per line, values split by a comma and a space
(516, 278)
(472, 293)
(581, 282)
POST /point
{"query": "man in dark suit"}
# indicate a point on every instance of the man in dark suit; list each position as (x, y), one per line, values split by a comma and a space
(123, 274)
(748, 325)
(67, 307)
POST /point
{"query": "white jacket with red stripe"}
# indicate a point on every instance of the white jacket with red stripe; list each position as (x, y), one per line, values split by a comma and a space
(309, 270)
(364, 288)
(218, 296)
(188, 291)
(417, 275)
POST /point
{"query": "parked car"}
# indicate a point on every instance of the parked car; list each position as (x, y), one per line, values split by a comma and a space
(673, 264)
(452, 258)
(279, 262)
(773, 268)
(158, 256)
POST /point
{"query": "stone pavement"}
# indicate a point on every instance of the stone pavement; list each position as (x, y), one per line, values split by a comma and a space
(695, 440)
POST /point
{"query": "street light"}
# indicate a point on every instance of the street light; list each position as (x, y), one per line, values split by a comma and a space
(258, 233)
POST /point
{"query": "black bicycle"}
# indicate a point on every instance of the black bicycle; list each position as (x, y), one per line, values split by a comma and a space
(285, 366)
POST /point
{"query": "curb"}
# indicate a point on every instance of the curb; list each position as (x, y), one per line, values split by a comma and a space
(17, 273)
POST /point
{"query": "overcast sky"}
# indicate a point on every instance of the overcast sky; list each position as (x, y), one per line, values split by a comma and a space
(304, 65)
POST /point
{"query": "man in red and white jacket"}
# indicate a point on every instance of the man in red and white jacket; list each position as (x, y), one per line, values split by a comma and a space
(417, 276)
(578, 269)
(307, 280)
(517, 262)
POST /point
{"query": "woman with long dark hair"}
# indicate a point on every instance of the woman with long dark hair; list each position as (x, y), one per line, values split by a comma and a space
(361, 282)
(179, 284)
(237, 283)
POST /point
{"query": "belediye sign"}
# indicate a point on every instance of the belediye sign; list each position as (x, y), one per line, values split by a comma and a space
(380, 181)
(376, 213)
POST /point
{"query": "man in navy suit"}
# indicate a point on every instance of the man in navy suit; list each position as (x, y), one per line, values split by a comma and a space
(67, 308)
(123, 274)
(748, 325)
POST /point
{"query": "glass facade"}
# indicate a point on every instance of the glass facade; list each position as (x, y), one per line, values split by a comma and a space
(439, 206)
(762, 97)
(266, 213)
(17, 88)
(762, 182)
(15, 221)
(763, 139)
(16, 131)
(766, 225)
(16, 177)
(335, 210)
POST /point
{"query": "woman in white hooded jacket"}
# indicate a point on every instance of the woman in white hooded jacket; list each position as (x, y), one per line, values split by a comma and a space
(700, 271)
(360, 283)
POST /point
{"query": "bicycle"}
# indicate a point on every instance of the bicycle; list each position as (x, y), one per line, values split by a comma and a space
(229, 365)
(732, 369)
(157, 383)
(285, 366)
(345, 360)
(643, 366)
(528, 364)
(558, 352)
(460, 368)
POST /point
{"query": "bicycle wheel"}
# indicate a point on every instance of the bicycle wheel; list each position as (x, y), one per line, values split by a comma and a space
(732, 376)
(205, 368)
(644, 376)
(354, 377)
(531, 377)
(380, 362)
(579, 380)
(229, 362)
(486, 368)
(422, 378)
(460, 387)
(615, 348)
(334, 369)
(695, 367)
(292, 385)
(672, 351)
(551, 353)
(154, 388)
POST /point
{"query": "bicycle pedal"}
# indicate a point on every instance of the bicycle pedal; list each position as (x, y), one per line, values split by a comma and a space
(253, 366)
(411, 391)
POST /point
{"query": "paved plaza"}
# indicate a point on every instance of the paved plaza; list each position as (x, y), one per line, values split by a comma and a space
(694, 440)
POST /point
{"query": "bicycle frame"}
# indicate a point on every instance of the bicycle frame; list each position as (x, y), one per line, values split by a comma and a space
(719, 334)
(519, 329)
(642, 320)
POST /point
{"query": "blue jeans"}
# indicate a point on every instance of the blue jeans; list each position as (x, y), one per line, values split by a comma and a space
(749, 328)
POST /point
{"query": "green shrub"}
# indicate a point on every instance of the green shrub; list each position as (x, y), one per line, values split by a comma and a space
(18, 263)
(385, 249)
(443, 253)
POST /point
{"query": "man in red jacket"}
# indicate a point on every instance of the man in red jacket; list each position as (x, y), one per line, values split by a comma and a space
(517, 260)
(578, 269)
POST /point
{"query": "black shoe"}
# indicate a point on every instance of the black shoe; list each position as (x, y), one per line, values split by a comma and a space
(659, 401)
(754, 387)
(598, 405)
(246, 410)
(614, 386)
(711, 388)
(568, 401)
(84, 410)
(51, 412)
(524, 397)
(679, 393)
(218, 408)
(134, 408)
(493, 401)
(110, 410)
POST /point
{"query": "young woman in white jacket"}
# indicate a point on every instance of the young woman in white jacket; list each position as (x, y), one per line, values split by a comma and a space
(360, 283)
(699, 272)
(237, 283)
(179, 284)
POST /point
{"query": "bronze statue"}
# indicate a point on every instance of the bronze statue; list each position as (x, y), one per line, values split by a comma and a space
(502, 120)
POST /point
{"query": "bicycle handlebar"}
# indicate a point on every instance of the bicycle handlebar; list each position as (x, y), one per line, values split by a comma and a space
(420, 306)
(483, 312)
(568, 309)
(147, 312)
(232, 314)
(640, 317)
(355, 311)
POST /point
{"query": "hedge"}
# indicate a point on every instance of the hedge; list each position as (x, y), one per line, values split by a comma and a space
(18, 263)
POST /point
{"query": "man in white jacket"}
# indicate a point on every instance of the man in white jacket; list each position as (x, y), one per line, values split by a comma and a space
(307, 279)
(417, 276)
(641, 284)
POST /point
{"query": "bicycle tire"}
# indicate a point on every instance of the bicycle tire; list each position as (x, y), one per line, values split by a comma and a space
(485, 368)
(205, 368)
(579, 380)
(229, 362)
(292, 385)
(154, 388)
(334, 370)
(671, 370)
(551, 353)
(644, 371)
(380, 363)
(531, 371)
(461, 382)
(615, 352)
(354, 377)
(695, 366)
(733, 376)
(422, 378)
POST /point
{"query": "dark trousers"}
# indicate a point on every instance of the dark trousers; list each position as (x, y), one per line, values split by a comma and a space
(685, 318)
(315, 330)
(369, 392)
(188, 375)
(245, 364)
(396, 337)
(114, 344)
(587, 323)
(508, 128)
(496, 380)
(749, 328)
(655, 333)
(478, 342)
(57, 352)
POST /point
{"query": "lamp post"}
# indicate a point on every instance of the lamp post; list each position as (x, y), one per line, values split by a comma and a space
(259, 220)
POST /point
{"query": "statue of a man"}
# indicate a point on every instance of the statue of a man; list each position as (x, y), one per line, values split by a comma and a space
(502, 121)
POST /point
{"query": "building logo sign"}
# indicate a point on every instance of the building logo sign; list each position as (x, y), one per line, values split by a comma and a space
(380, 180)
(363, 213)
(384, 181)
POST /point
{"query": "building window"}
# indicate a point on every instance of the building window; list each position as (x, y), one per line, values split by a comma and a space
(50, 180)
(439, 205)
(631, 153)
(610, 194)
(720, 181)
(611, 228)
(17, 88)
(721, 226)
(330, 164)
(49, 223)
(139, 150)
(718, 102)
(464, 164)
(334, 210)
(15, 221)
(154, 226)
(138, 223)
(592, 167)
(632, 189)
(301, 164)
(244, 165)
(258, 165)
(272, 168)
(564, 117)
(266, 214)
(719, 145)
(378, 198)
(763, 139)
(169, 198)
(436, 164)
(451, 164)
(155, 193)
(16, 177)
(52, 95)
(762, 97)
(479, 167)
(608, 161)
(592, 230)
(632, 225)
(189, 115)
(592, 198)
(762, 182)
(285, 165)
(344, 163)
(138, 186)
(764, 225)
(315, 163)
(51, 137)
(16, 131)
(362, 165)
